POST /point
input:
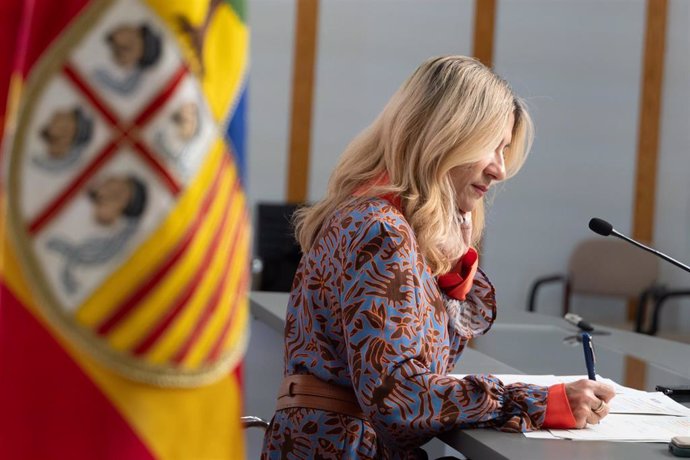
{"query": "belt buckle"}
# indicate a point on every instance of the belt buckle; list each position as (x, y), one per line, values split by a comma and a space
(290, 386)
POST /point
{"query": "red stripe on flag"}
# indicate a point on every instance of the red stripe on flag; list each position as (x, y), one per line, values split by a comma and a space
(57, 204)
(50, 407)
(239, 372)
(192, 285)
(210, 307)
(126, 307)
(153, 161)
(242, 288)
(217, 347)
(163, 96)
(91, 95)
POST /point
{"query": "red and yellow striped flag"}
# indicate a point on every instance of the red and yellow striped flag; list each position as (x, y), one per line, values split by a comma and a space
(124, 234)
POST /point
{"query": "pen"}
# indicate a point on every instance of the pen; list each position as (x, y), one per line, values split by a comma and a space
(589, 355)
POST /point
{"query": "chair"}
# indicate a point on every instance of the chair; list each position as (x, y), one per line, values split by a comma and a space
(249, 421)
(662, 296)
(607, 267)
(253, 439)
(278, 253)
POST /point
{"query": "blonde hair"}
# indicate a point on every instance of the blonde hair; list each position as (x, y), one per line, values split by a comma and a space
(445, 115)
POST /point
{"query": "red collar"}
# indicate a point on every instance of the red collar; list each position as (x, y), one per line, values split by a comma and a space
(383, 179)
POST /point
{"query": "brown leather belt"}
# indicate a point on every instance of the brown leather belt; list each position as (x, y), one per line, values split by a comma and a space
(313, 393)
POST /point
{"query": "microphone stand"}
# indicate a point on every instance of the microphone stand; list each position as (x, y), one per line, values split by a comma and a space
(653, 251)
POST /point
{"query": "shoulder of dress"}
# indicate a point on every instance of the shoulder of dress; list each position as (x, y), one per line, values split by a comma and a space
(371, 209)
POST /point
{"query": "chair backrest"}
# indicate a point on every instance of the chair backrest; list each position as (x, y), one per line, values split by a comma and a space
(276, 246)
(608, 266)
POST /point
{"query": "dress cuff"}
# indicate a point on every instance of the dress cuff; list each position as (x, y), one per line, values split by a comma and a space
(458, 282)
(558, 412)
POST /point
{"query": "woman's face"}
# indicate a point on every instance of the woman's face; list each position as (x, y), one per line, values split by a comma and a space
(472, 181)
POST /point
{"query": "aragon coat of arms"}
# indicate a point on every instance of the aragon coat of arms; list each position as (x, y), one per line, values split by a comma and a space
(118, 203)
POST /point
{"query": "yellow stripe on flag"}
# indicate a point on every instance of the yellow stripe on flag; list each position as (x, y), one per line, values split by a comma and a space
(174, 423)
(238, 328)
(149, 312)
(171, 10)
(153, 252)
(226, 57)
(181, 424)
(212, 331)
(171, 341)
(225, 53)
(14, 94)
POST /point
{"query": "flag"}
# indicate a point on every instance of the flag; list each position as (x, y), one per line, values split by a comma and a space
(124, 234)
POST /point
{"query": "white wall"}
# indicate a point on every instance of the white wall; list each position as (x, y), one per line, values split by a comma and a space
(672, 223)
(366, 50)
(578, 64)
(272, 29)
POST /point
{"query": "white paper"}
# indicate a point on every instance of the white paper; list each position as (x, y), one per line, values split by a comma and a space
(541, 434)
(631, 428)
(653, 403)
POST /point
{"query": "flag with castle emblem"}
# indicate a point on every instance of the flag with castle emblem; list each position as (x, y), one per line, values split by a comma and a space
(124, 235)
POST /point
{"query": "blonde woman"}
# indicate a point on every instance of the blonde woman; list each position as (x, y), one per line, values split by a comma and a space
(388, 291)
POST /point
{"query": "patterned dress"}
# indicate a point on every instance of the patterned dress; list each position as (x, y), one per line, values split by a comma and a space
(366, 313)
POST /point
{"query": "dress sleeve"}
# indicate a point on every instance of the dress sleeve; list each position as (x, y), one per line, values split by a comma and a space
(381, 295)
(470, 317)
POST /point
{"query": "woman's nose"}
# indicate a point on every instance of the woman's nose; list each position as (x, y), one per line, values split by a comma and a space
(497, 168)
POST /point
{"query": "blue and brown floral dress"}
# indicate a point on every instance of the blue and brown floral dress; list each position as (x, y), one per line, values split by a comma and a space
(366, 313)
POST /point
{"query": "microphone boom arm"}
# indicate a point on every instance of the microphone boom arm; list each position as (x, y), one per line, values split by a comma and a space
(653, 251)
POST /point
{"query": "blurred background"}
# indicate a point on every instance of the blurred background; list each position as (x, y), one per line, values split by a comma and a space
(608, 86)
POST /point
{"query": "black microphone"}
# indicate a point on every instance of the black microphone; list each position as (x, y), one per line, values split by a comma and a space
(601, 227)
(577, 321)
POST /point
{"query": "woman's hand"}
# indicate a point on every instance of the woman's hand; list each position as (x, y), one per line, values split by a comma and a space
(588, 400)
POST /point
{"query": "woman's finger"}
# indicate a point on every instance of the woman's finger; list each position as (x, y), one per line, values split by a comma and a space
(598, 411)
(593, 418)
(603, 391)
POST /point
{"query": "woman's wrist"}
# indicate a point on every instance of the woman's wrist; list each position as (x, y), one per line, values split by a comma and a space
(559, 415)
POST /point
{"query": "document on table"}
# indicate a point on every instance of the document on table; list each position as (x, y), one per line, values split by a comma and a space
(629, 428)
(634, 415)
(647, 404)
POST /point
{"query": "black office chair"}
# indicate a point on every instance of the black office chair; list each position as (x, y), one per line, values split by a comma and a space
(278, 253)
(661, 296)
